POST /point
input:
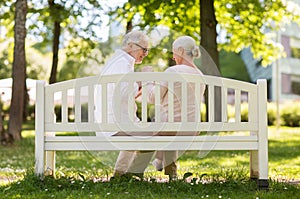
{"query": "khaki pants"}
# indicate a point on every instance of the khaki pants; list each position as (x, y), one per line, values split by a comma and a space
(137, 161)
(132, 161)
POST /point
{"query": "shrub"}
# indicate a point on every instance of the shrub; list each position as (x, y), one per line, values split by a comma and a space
(244, 112)
(271, 113)
(290, 114)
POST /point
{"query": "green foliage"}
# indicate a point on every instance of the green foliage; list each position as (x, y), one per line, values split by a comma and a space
(244, 112)
(290, 114)
(249, 24)
(232, 66)
(271, 113)
(244, 23)
(5, 66)
(173, 14)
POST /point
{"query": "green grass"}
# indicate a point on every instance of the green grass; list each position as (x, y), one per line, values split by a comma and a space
(217, 174)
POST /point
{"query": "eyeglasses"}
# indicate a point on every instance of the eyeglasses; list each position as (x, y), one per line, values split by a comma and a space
(145, 50)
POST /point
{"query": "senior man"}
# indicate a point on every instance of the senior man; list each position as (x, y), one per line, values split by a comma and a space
(134, 49)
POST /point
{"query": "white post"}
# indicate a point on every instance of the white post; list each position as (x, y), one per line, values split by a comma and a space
(262, 135)
(39, 128)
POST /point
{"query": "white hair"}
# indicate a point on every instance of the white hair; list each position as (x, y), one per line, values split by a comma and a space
(188, 44)
(135, 36)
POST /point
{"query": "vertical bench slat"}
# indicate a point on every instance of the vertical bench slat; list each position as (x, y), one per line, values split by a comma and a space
(252, 107)
(237, 105)
(157, 102)
(117, 99)
(184, 101)
(104, 103)
(91, 105)
(144, 102)
(198, 102)
(131, 100)
(171, 101)
(64, 106)
(49, 109)
(224, 92)
(77, 105)
(211, 103)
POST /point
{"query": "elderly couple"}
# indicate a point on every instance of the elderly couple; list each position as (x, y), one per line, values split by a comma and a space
(134, 49)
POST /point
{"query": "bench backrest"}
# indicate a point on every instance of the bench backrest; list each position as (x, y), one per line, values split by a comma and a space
(74, 93)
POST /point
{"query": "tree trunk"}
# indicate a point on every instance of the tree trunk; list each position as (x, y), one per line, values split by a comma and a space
(129, 26)
(18, 73)
(55, 43)
(209, 43)
(26, 102)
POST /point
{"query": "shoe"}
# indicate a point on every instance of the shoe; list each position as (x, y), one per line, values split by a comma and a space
(173, 178)
(158, 164)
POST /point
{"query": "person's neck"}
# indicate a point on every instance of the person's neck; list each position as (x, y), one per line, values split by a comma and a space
(188, 63)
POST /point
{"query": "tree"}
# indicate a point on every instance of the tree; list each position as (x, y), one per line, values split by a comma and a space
(55, 9)
(208, 30)
(19, 72)
(245, 24)
(70, 22)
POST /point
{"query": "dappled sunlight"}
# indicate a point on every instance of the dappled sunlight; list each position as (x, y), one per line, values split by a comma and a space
(27, 134)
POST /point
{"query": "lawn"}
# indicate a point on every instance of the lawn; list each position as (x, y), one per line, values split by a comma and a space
(217, 174)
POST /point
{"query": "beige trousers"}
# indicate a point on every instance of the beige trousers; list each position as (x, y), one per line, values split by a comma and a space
(132, 161)
(137, 161)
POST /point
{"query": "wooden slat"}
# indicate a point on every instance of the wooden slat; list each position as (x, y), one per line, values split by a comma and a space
(49, 109)
(211, 103)
(77, 105)
(149, 127)
(184, 102)
(131, 101)
(224, 105)
(39, 128)
(144, 102)
(91, 104)
(171, 101)
(237, 106)
(104, 103)
(197, 103)
(117, 100)
(153, 143)
(64, 107)
(157, 102)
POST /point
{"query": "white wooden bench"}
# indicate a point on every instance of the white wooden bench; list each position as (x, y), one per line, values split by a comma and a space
(255, 140)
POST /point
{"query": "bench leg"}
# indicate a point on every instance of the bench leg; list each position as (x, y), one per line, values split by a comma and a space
(39, 164)
(263, 184)
(258, 170)
(50, 163)
(254, 170)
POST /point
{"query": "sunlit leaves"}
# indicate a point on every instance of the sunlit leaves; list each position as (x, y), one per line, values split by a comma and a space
(246, 23)
(249, 23)
(182, 16)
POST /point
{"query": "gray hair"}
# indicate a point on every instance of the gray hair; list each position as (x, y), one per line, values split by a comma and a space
(135, 36)
(189, 45)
